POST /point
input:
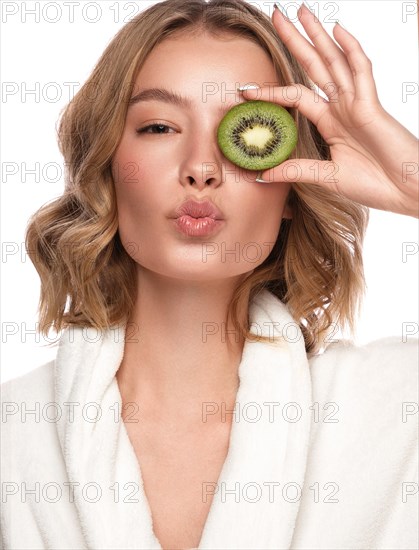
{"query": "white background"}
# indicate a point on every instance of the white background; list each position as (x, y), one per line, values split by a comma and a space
(37, 52)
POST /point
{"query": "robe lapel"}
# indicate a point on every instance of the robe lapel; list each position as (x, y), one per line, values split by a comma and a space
(257, 496)
(267, 457)
(109, 497)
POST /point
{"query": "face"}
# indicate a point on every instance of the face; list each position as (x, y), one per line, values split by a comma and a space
(157, 168)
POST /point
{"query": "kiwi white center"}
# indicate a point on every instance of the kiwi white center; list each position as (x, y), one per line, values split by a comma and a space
(257, 136)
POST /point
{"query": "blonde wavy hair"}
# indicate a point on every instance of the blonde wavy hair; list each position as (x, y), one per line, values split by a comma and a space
(88, 278)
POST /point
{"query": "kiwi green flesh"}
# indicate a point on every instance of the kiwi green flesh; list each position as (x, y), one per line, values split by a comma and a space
(257, 135)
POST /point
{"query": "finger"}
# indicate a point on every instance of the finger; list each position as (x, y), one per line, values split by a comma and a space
(301, 48)
(331, 54)
(308, 102)
(359, 64)
(310, 171)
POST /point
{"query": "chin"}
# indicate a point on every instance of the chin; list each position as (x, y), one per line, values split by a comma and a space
(189, 270)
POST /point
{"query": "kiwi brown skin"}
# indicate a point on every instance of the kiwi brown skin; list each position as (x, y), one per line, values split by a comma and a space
(257, 135)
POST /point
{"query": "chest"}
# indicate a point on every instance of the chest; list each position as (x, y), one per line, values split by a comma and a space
(180, 469)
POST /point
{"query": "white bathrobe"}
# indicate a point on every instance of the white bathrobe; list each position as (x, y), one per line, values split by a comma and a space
(322, 455)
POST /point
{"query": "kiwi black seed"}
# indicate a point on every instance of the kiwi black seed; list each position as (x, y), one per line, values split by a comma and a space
(257, 135)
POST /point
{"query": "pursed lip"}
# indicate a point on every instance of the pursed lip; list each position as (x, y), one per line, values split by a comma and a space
(198, 209)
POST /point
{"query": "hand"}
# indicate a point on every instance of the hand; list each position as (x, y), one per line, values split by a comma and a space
(374, 157)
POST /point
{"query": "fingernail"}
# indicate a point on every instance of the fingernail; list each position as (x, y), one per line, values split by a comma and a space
(259, 179)
(304, 5)
(339, 22)
(282, 10)
(248, 87)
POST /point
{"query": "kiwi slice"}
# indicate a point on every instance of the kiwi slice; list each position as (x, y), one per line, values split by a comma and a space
(257, 135)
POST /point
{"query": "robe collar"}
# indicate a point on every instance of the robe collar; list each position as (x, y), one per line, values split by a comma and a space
(259, 490)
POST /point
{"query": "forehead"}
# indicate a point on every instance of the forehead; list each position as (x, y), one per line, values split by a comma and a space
(205, 68)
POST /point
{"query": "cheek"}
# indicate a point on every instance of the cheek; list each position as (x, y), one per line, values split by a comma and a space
(132, 176)
(255, 227)
(129, 167)
(262, 213)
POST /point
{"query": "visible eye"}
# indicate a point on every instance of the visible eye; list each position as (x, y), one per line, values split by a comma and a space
(159, 129)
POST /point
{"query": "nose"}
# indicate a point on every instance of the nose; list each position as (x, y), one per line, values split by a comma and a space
(202, 165)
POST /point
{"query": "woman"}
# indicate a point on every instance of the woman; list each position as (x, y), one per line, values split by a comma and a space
(169, 331)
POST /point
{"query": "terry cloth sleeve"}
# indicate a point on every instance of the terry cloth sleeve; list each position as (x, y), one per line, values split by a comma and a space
(361, 484)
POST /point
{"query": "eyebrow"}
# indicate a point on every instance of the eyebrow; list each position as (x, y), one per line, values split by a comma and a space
(167, 96)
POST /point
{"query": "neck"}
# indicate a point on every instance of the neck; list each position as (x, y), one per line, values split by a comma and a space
(177, 348)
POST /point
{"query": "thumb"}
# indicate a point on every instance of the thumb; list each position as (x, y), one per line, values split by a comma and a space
(312, 171)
